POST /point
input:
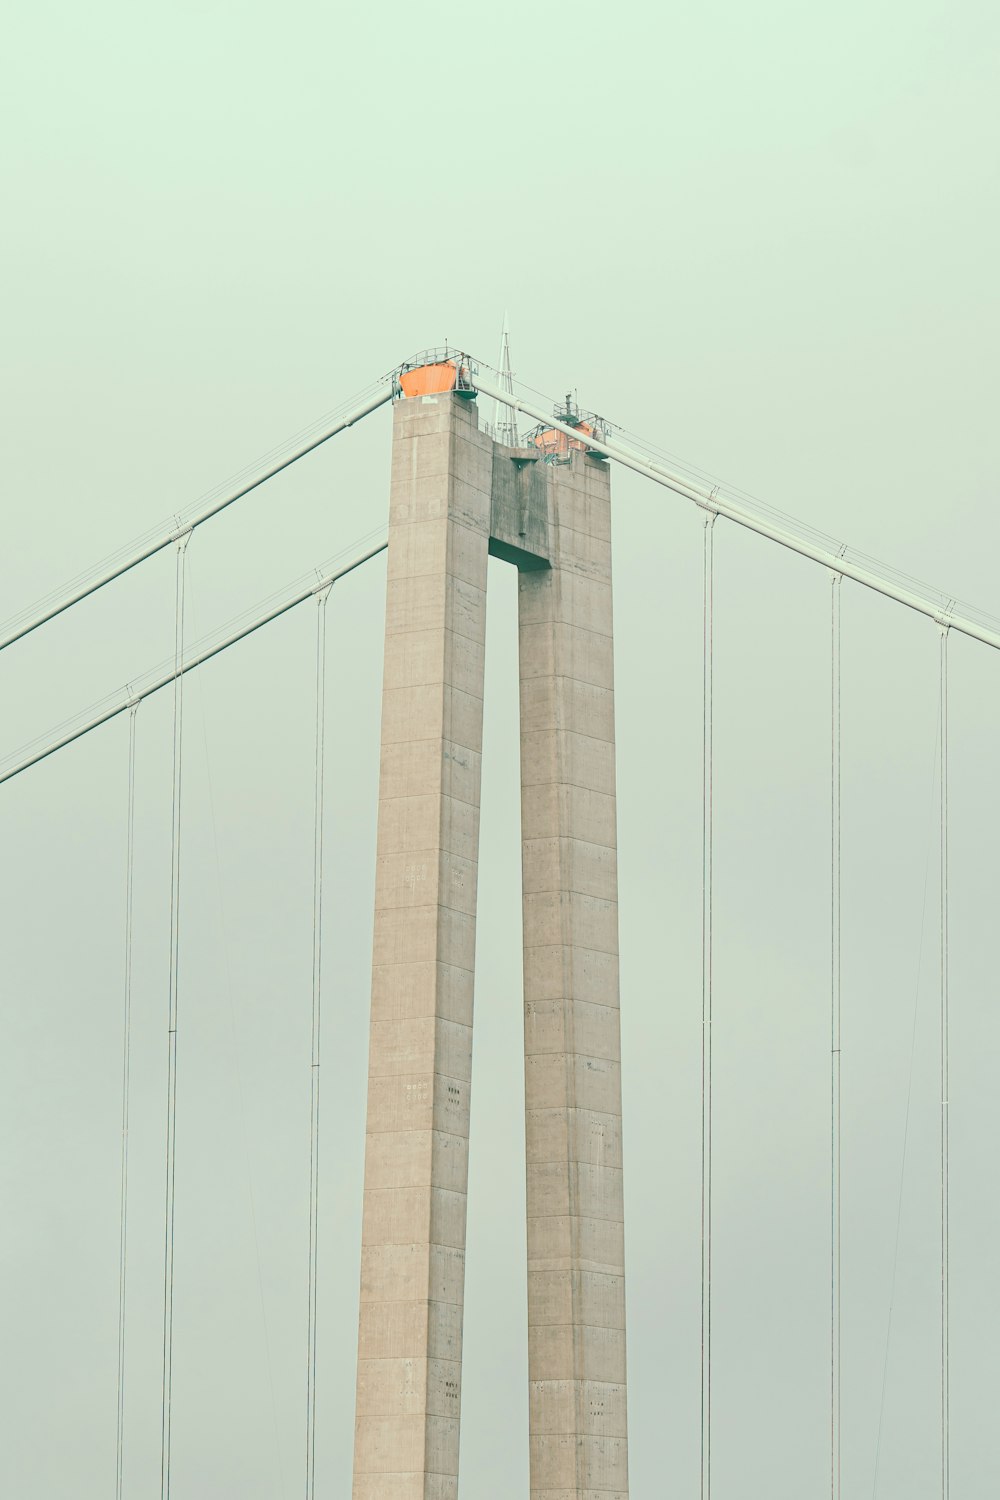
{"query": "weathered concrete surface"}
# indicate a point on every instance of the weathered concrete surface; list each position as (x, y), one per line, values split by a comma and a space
(576, 1287)
(413, 1235)
(456, 496)
(519, 513)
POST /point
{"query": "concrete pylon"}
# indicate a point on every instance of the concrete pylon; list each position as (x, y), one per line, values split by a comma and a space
(455, 497)
(572, 1056)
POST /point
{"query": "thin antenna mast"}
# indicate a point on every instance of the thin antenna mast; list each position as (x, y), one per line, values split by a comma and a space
(505, 417)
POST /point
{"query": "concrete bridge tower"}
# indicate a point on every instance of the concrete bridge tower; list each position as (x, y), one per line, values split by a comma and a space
(456, 497)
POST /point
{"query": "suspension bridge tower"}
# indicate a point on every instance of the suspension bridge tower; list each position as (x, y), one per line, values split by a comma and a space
(458, 496)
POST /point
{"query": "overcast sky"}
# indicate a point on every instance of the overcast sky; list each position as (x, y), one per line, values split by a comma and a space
(763, 238)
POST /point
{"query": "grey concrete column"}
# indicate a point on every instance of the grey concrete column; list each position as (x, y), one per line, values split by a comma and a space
(416, 1162)
(576, 1289)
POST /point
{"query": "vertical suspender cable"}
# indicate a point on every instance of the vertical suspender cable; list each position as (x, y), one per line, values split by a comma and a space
(317, 974)
(126, 1069)
(835, 890)
(945, 1275)
(906, 1130)
(175, 879)
(706, 1017)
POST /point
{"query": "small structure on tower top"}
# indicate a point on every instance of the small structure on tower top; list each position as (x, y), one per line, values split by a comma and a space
(505, 417)
(433, 371)
(558, 447)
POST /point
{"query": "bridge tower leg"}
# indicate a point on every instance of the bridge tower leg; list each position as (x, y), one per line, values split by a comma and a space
(576, 1285)
(457, 496)
(416, 1163)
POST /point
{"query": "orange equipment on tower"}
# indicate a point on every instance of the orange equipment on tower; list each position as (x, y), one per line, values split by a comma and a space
(556, 446)
(435, 371)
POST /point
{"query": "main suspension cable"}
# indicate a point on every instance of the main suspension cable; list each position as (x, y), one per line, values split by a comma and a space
(174, 955)
(126, 1070)
(317, 975)
(706, 1011)
(52, 746)
(875, 577)
(182, 528)
(945, 1081)
(835, 952)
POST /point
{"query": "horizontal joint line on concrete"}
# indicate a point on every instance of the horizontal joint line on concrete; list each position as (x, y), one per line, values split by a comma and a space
(437, 791)
(587, 1218)
(436, 574)
(432, 739)
(613, 1387)
(571, 999)
(575, 1109)
(614, 1062)
(580, 734)
(527, 625)
(452, 1135)
(444, 518)
(415, 1301)
(605, 541)
(573, 1161)
(580, 786)
(565, 1264)
(398, 634)
(563, 677)
(428, 852)
(566, 890)
(452, 1192)
(572, 677)
(426, 905)
(431, 682)
(419, 1473)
